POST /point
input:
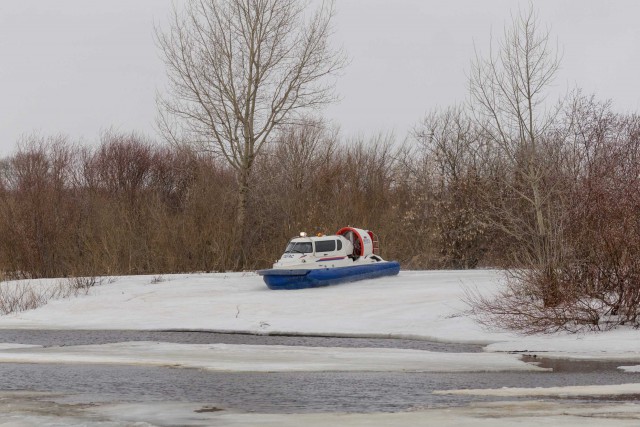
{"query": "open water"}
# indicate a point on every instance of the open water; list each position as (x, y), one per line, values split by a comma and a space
(292, 392)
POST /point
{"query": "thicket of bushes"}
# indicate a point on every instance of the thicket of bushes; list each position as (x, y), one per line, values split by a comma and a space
(590, 277)
(130, 206)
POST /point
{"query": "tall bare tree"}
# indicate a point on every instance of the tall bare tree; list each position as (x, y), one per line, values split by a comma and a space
(508, 89)
(240, 70)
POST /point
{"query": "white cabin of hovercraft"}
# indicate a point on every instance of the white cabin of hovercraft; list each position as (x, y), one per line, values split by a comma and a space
(347, 242)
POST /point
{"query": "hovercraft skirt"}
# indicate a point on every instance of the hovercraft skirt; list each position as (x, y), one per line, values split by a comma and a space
(313, 278)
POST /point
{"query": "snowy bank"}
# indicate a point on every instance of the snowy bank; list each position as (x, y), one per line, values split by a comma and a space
(416, 304)
(622, 344)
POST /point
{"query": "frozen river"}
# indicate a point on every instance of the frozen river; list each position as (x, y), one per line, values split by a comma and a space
(275, 392)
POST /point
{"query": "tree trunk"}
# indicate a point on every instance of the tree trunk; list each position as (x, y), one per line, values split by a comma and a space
(240, 233)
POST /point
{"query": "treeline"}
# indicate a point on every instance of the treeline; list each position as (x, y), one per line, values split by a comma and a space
(446, 198)
(132, 206)
(126, 207)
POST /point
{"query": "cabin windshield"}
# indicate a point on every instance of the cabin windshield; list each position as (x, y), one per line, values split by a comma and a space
(299, 248)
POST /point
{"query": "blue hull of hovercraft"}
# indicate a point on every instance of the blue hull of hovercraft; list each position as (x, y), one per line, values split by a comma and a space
(300, 279)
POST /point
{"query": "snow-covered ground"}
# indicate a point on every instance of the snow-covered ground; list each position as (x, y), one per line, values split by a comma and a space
(413, 304)
(416, 304)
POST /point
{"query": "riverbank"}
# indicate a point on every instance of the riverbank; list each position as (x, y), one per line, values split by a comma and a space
(416, 304)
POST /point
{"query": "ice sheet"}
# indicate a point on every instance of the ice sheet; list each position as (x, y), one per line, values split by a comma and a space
(590, 390)
(264, 358)
(47, 411)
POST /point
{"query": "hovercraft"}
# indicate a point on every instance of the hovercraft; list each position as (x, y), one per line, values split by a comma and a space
(313, 261)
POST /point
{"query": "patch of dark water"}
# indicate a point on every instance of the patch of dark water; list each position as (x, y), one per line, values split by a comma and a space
(612, 398)
(578, 366)
(49, 338)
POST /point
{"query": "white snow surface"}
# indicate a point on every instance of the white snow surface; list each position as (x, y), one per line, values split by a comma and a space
(567, 391)
(635, 368)
(415, 304)
(269, 358)
(11, 346)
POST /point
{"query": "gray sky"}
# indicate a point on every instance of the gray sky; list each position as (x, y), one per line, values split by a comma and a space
(81, 66)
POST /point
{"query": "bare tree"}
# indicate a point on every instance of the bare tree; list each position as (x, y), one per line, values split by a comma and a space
(453, 144)
(508, 92)
(240, 70)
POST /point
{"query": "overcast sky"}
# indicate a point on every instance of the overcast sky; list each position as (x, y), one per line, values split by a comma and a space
(77, 67)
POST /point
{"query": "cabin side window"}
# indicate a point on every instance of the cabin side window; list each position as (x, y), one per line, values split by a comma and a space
(339, 242)
(299, 248)
(325, 246)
